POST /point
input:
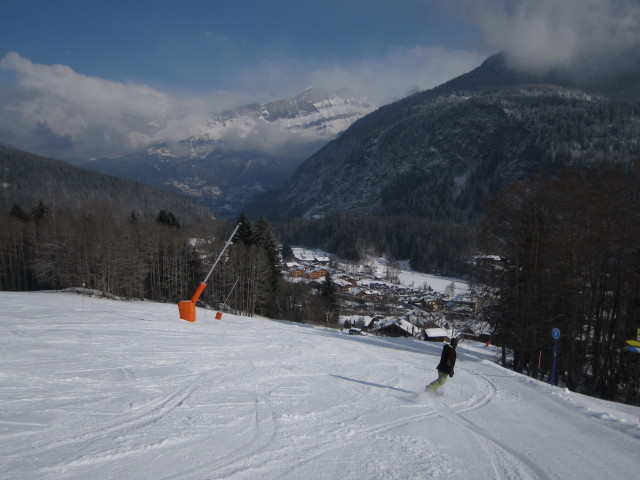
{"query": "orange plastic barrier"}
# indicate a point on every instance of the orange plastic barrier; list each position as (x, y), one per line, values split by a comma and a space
(187, 310)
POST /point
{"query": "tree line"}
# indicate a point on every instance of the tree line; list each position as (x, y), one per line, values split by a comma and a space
(437, 246)
(45, 248)
(566, 254)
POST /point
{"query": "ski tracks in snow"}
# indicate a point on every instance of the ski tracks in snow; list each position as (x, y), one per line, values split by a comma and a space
(92, 440)
(482, 392)
(507, 462)
(102, 396)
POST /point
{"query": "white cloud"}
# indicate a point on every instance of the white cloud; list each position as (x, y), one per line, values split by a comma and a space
(547, 34)
(90, 113)
(53, 110)
(402, 71)
(107, 96)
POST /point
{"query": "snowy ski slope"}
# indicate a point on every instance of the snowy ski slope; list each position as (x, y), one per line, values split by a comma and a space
(100, 389)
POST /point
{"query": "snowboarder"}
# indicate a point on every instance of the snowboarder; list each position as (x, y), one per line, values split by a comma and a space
(445, 367)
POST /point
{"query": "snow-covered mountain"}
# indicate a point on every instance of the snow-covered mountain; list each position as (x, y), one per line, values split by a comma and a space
(315, 115)
(443, 153)
(224, 160)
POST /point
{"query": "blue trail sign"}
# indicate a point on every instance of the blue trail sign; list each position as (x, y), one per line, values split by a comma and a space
(555, 333)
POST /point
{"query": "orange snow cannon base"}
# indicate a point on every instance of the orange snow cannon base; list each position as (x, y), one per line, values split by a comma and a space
(187, 310)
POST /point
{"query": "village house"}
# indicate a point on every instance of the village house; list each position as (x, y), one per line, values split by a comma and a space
(295, 270)
(461, 307)
(363, 293)
(298, 273)
(433, 334)
(343, 285)
(434, 304)
(356, 292)
(347, 279)
(317, 273)
(394, 327)
(358, 321)
(310, 255)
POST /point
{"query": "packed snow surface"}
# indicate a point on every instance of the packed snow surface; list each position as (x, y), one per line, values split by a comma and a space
(100, 389)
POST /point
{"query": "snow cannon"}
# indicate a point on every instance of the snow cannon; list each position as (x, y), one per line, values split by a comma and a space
(187, 308)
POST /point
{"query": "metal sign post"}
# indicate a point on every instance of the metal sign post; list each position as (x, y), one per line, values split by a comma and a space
(555, 333)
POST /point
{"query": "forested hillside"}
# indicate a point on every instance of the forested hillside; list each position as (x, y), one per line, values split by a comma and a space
(66, 227)
(430, 245)
(53, 249)
(565, 255)
(442, 157)
(28, 179)
(63, 226)
(429, 164)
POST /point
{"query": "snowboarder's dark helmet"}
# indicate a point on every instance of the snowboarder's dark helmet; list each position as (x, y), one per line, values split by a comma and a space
(454, 342)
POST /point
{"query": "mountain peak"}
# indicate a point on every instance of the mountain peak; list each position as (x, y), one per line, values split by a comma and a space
(225, 160)
(443, 152)
(499, 71)
(314, 116)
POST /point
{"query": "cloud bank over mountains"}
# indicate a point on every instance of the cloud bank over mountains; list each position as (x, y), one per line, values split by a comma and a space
(56, 111)
(581, 35)
(60, 111)
(53, 110)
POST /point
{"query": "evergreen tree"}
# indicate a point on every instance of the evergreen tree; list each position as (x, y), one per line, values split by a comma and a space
(39, 211)
(287, 253)
(264, 238)
(329, 293)
(168, 219)
(18, 212)
(568, 260)
(245, 231)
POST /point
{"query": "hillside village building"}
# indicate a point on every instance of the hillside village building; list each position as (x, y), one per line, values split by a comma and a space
(310, 255)
(317, 273)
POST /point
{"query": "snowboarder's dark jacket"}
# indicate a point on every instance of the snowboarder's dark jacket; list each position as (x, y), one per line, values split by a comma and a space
(447, 360)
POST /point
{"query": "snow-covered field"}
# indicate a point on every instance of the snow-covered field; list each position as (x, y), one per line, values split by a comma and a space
(101, 389)
(410, 278)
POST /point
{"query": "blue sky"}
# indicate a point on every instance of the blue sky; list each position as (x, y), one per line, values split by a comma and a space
(195, 46)
(72, 72)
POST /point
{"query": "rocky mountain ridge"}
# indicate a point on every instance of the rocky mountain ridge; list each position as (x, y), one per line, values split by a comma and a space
(444, 152)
